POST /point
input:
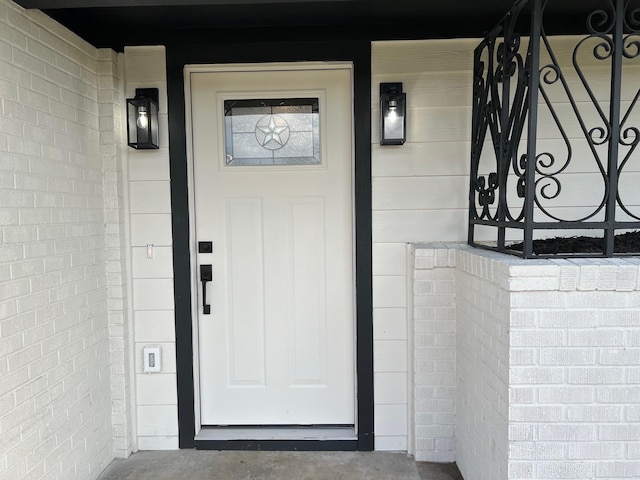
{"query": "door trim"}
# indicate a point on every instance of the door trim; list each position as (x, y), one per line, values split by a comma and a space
(279, 445)
(359, 54)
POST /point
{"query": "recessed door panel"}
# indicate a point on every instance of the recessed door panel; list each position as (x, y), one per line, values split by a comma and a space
(245, 281)
(309, 291)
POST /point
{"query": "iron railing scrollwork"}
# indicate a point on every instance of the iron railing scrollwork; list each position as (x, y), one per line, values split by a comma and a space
(553, 150)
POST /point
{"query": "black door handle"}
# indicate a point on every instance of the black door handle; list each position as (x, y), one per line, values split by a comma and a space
(206, 275)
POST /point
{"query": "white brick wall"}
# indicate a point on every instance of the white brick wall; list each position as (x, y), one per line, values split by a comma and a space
(434, 355)
(482, 368)
(152, 279)
(547, 360)
(55, 397)
(575, 358)
(112, 140)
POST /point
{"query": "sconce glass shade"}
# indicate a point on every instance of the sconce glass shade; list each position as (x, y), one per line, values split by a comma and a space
(142, 119)
(393, 118)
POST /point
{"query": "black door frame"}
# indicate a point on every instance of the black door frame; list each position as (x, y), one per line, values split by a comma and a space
(359, 53)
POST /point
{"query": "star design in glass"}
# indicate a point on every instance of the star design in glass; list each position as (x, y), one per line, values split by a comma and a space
(274, 133)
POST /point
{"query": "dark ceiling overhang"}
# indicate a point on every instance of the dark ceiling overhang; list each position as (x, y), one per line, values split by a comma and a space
(62, 4)
(116, 23)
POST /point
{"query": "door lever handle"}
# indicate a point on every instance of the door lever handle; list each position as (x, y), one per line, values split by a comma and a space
(206, 275)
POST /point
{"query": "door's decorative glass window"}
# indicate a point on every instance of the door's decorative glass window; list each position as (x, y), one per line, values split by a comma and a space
(283, 131)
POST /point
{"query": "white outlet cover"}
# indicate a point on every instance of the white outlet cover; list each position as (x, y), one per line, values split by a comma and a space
(152, 358)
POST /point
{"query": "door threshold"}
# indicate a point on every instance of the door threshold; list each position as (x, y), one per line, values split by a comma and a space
(277, 438)
(277, 433)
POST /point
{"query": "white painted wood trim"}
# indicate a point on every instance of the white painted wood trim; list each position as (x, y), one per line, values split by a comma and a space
(133, 397)
(304, 433)
(411, 415)
(262, 67)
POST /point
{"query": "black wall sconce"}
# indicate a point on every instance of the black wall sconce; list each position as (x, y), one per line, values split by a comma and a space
(142, 119)
(393, 114)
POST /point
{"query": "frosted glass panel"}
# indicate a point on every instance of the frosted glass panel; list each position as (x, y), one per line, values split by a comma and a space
(284, 131)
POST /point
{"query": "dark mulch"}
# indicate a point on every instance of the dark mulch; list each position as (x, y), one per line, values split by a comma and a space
(624, 243)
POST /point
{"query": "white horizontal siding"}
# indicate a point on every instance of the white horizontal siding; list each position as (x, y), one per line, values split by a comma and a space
(422, 193)
(421, 57)
(421, 159)
(152, 278)
(151, 228)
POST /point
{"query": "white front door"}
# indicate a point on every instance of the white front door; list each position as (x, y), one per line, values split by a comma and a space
(272, 176)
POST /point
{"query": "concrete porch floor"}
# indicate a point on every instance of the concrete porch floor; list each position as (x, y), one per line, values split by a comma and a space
(258, 465)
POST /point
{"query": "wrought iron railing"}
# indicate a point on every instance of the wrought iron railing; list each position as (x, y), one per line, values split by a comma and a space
(555, 133)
